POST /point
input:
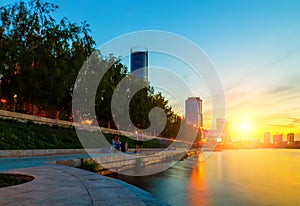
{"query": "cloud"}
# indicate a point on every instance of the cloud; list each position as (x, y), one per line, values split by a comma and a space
(278, 89)
(295, 120)
(280, 125)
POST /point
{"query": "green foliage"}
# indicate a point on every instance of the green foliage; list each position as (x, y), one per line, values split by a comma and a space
(106, 88)
(89, 166)
(17, 135)
(40, 58)
(111, 72)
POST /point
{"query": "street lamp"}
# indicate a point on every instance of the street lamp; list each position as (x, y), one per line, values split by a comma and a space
(15, 100)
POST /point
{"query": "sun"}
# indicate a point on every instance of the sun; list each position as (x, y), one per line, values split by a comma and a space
(245, 127)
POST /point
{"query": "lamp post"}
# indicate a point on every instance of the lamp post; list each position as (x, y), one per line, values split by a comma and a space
(15, 101)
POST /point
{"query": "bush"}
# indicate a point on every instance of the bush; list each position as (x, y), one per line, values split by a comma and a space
(89, 166)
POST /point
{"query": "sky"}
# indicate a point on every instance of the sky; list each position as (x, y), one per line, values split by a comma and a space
(254, 45)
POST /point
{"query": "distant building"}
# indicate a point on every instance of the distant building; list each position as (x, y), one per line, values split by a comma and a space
(220, 134)
(220, 124)
(193, 111)
(277, 139)
(290, 138)
(267, 138)
(223, 129)
(209, 134)
(139, 63)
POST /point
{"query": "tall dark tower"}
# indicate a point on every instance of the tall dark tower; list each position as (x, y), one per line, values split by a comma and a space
(139, 63)
(193, 111)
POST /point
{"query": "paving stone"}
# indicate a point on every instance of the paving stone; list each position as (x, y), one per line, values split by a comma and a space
(128, 202)
(61, 185)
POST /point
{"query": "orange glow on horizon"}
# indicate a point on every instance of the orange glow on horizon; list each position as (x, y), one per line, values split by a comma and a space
(255, 129)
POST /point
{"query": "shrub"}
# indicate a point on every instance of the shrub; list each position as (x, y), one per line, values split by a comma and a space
(89, 166)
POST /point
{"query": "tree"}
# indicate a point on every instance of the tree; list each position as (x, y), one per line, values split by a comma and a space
(39, 57)
(116, 72)
(121, 101)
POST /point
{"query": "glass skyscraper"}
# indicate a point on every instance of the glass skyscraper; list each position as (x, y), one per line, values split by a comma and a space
(139, 63)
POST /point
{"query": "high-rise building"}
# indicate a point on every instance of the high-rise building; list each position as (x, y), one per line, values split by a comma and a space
(220, 124)
(139, 63)
(277, 139)
(193, 111)
(290, 138)
(267, 138)
(223, 129)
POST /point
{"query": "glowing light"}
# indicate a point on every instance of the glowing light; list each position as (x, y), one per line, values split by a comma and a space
(87, 122)
(245, 127)
(3, 100)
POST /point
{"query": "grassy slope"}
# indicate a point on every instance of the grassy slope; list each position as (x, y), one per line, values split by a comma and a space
(17, 135)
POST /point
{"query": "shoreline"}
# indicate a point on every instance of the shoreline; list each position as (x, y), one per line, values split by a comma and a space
(63, 185)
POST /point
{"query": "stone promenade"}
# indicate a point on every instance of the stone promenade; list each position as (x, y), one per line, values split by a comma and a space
(62, 185)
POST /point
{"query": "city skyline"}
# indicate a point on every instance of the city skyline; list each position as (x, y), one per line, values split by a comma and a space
(254, 46)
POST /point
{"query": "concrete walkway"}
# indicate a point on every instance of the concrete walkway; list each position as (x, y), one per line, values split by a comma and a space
(62, 185)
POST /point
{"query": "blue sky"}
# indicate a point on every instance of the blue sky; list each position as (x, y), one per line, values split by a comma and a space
(254, 44)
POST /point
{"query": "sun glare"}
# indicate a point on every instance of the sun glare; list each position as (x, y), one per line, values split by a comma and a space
(245, 127)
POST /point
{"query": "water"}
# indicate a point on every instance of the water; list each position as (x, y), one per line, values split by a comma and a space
(230, 177)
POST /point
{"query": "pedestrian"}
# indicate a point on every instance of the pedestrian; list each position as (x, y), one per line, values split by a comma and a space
(118, 144)
(113, 143)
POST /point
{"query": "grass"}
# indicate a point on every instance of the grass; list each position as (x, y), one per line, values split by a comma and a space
(15, 135)
(89, 166)
(7, 180)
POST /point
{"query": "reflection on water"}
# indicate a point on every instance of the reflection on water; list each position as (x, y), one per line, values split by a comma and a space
(197, 185)
(230, 177)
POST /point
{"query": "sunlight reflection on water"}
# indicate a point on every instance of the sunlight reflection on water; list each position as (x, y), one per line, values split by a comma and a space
(230, 177)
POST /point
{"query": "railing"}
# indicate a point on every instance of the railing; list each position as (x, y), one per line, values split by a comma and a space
(36, 119)
(48, 121)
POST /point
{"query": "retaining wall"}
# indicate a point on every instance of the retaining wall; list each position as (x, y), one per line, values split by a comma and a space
(45, 152)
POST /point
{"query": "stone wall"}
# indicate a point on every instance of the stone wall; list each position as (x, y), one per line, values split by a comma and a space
(45, 152)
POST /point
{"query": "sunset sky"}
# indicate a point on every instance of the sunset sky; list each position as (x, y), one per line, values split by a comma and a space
(254, 45)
